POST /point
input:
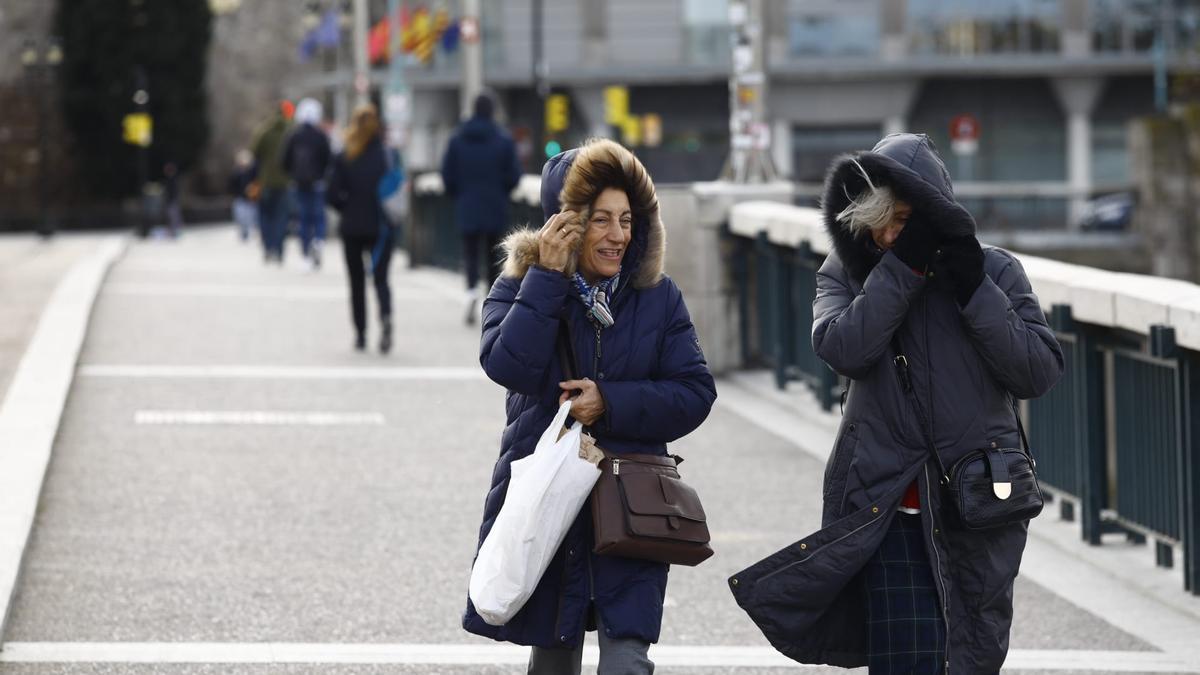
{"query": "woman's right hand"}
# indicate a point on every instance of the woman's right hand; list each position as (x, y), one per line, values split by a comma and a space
(559, 238)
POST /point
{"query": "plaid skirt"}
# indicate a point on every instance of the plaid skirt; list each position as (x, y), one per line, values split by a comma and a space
(906, 630)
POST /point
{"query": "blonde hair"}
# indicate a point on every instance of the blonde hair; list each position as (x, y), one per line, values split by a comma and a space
(871, 209)
(364, 127)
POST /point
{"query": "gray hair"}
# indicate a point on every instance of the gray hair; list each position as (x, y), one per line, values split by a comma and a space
(870, 209)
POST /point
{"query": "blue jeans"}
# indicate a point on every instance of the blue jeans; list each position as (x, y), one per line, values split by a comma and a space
(272, 219)
(310, 203)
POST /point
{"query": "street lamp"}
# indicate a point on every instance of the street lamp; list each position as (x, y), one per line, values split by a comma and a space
(40, 58)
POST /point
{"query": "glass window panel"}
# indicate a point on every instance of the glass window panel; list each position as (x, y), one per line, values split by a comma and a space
(813, 148)
(1187, 26)
(829, 28)
(1110, 154)
(970, 27)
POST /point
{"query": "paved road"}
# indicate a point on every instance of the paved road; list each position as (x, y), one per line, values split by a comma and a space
(233, 482)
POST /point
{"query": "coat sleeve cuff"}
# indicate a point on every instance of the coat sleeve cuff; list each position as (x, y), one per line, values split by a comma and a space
(987, 307)
(544, 290)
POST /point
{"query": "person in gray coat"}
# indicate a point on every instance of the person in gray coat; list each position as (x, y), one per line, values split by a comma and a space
(890, 581)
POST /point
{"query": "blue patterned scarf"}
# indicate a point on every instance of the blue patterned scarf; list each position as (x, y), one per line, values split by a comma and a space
(597, 297)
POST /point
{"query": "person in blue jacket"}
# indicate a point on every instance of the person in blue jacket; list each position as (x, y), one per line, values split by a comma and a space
(479, 171)
(596, 265)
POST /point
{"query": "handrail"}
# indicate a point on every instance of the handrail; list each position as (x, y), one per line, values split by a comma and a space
(528, 190)
(1131, 302)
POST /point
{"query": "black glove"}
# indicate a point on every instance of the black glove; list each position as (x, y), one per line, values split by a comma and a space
(916, 244)
(961, 263)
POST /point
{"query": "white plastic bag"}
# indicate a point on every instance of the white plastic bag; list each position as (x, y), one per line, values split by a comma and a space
(545, 493)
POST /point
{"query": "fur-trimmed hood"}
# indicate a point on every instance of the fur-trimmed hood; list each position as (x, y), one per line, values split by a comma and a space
(910, 165)
(572, 180)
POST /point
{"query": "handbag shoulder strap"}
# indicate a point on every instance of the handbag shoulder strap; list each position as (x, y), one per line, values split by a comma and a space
(905, 373)
(566, 352)
(900, 361)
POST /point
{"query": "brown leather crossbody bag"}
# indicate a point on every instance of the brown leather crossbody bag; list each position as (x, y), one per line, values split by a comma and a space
(641, 508)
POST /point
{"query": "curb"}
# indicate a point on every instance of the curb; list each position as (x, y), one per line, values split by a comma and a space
(30, 413)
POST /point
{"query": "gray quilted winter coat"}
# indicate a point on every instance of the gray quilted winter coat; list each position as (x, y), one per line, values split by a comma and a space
(967, 364)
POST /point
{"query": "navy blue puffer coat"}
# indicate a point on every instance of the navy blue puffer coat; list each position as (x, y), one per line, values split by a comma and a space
(650, 371)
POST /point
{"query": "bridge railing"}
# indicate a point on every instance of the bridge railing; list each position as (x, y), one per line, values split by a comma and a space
(1118, 438)
(432, 237)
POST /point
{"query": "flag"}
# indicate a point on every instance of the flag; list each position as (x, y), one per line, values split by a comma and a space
(325, 34)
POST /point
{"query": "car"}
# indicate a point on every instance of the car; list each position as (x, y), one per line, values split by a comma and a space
(1109, 213)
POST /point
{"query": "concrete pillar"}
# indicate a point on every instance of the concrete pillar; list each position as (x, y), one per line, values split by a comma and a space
(361, 66)
(894, 20)
(589, 103)
(697, 259)
(1078, 96)
(894, 124)
(1076, 29)
(472, 63)
(781, 147)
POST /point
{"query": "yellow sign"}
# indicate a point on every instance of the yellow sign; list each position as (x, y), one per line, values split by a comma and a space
(651, 130)
(631, 131)
(558, 115)
(616, 105)
(139, 129)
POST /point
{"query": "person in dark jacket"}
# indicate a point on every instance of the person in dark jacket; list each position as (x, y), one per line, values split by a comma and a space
(479, 171)
(891, 581)
(244, 212)
(306, 160)
(354, 192)
(273, 181)
(597, 266)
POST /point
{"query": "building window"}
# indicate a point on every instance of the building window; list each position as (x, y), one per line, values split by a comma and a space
(977, 27)
(706, 32)
(1133, 26)
(833, 28)
(813, 148)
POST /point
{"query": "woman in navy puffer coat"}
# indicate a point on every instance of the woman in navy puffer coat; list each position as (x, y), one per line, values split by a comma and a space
(645, 383)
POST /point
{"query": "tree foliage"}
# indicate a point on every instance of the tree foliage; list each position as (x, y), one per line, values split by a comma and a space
(105, 44)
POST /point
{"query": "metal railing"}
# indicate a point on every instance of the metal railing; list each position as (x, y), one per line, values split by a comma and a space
(432, 237)
(1116, 440)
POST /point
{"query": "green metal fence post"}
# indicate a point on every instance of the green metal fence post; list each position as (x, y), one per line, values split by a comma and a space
(741, 277)
(1162, 345)
(1089, 417)
(1190, 496)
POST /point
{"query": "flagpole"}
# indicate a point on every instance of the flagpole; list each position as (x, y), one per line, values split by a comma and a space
(472, 60)
(362, 81)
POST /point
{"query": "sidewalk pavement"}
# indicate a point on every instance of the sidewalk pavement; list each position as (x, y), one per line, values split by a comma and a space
(232, 484)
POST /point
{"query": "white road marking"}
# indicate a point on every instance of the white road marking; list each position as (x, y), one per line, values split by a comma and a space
(325, 293)
(257, 417)
(471, 654)
(227, 291)
(234, 372)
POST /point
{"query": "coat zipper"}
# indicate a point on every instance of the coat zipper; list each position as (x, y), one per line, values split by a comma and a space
(938, 556)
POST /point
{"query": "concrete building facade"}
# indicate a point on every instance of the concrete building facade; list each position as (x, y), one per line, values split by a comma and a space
(1049, 85)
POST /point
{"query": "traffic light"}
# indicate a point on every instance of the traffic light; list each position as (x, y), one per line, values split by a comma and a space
(558, 116)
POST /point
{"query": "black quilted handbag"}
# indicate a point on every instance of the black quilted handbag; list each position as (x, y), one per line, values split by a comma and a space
(988, 487)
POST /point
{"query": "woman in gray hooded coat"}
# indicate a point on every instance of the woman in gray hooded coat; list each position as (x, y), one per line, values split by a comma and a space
(890, 581)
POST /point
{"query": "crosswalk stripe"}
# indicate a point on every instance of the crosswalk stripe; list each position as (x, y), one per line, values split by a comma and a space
(239, 372)
(256, 417)
(730, 657)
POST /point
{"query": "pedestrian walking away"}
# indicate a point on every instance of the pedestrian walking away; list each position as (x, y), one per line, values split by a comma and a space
(938, 336)
(245, 213)
(273, 182)
(365, 232)
(479, 170)
(306, 159)
(595, 267)
(174, 209)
